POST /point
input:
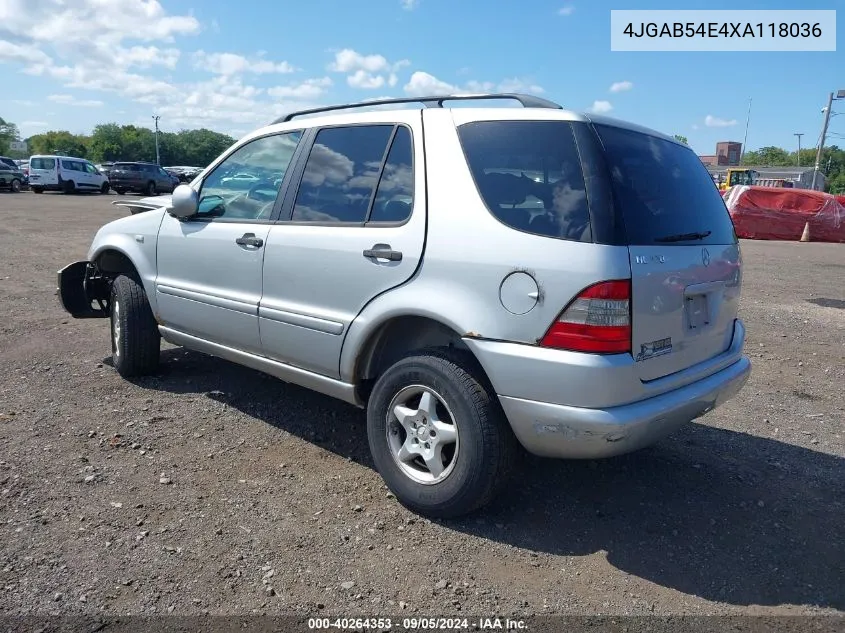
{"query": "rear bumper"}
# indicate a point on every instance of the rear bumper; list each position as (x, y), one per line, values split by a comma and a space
(78, 286)
(554, 430)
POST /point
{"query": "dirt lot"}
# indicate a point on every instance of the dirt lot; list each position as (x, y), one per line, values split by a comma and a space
(212, 488)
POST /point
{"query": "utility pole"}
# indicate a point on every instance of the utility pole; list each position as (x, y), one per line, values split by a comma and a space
(799, 135)
(745, 140)
(821, 140)
(158, 160)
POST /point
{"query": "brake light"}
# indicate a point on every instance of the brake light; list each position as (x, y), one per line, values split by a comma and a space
(598, 320)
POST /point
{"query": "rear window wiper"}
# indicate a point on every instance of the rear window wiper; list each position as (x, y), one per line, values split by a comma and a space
(683, 237)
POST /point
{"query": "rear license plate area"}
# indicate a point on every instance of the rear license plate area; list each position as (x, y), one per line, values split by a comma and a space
(697, 313)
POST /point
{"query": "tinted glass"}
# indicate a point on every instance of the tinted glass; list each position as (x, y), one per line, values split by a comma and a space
(662, 189)
(341, 174)
(42, 163)
(395, 193)
(529, 176)
(245, 185)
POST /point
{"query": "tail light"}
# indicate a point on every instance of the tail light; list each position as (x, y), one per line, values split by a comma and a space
(598, 320)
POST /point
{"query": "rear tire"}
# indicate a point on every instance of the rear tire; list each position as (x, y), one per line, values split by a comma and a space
(135, 339)
(460, 430)
(120, 192)
(68, 187)
(15, 186)
(151, 188)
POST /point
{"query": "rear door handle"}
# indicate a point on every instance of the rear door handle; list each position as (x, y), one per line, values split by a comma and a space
(383, 251)
(249, 239)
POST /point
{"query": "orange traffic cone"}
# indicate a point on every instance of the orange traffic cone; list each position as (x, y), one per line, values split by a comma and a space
(805, 236)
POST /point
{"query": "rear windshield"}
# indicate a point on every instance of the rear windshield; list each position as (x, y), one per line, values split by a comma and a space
(529, 175)
(663, 190)
(42, 163)
(127, 167)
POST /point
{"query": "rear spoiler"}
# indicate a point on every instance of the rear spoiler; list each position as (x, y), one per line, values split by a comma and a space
(138, 206)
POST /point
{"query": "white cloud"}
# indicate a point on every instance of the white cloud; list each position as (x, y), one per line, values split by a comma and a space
(233, 64)
(73, 101)
(695, 126)
(714, 121)
(601, 107)
(410, 5)
(621, 86)
(422, 83)
(365, 80)
(21, 53)
(309, 89)
(567, 10)
(366, 71)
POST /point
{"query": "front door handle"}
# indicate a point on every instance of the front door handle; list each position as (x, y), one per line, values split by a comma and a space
(249, 239)
(383, 251)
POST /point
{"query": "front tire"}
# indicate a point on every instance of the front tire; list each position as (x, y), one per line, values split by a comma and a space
(151, 188)
(104, 189)
(68, 187)
(135, 339)
(438, 435)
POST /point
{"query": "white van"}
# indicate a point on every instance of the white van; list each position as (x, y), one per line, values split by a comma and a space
(65, 173)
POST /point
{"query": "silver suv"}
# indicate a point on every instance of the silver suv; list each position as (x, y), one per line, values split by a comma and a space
(480, 279)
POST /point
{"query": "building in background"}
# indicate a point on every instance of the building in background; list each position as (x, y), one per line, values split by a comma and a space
(727, 154)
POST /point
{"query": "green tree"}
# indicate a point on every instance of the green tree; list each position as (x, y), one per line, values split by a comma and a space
(107, 142)
(682, 139)
(202, 146)
(62, 142)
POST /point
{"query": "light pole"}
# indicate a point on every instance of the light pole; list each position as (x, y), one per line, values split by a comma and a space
(799, 135)
(156, 118)
(839, 95)
(745, 139)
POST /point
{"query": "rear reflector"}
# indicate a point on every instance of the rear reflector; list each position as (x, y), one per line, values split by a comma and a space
(598, 320)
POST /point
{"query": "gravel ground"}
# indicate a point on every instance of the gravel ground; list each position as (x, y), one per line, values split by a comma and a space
(212, 488)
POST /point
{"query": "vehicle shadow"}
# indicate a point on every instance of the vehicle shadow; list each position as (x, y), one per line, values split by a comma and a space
(714, 513)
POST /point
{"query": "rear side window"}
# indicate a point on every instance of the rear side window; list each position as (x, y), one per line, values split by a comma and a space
(529, 175)
(663, 191)
(341, 174)
(42, 163)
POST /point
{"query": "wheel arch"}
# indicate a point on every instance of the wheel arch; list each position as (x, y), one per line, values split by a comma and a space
(396, 337)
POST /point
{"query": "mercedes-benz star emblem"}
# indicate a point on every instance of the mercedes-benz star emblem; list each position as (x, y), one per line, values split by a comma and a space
(705, 257)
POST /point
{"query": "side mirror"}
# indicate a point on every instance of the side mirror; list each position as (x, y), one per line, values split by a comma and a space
(184, 202)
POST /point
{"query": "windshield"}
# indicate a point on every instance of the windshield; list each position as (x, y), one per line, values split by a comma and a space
(663, 190)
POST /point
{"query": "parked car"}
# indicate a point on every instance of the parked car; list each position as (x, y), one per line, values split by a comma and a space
(184, 173)
(407, 266)
(65, 173)
(139, 177)
(11, 176)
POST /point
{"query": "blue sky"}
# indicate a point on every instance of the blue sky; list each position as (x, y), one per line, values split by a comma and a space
(233, 66)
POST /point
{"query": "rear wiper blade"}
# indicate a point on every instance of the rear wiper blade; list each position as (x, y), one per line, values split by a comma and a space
(683, 237)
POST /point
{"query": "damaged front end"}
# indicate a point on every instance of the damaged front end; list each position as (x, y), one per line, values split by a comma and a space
(83, 291)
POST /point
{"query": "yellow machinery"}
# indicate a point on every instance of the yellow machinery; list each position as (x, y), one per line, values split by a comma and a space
(736, 176)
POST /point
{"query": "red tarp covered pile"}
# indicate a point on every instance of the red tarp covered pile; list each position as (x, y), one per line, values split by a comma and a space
(774, 213)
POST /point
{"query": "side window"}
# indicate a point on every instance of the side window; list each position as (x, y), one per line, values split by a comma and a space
(529, 175)
(67, 164)
(90, 168)
(395, 193)
(341, 174)
(245, 185)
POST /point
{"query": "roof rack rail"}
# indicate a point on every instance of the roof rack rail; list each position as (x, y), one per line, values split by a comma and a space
(527, 101)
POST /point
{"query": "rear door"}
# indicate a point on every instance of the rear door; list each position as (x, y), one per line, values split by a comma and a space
(43, 172)
(353, 229)
(685, 257)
